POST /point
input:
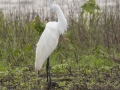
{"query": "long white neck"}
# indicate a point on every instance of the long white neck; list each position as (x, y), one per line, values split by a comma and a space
(62, 22)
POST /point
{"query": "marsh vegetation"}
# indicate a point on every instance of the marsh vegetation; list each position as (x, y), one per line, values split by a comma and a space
(87, 57)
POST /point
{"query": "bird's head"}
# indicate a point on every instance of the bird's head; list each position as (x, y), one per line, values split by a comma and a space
(51, 4)
(50, 0)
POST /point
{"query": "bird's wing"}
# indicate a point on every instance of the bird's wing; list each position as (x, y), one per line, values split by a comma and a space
(46, 45)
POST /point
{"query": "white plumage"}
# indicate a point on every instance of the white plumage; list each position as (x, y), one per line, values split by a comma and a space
(50, 36)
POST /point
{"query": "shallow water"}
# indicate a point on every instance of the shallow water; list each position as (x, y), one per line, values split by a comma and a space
(41, 5)
(11, 4)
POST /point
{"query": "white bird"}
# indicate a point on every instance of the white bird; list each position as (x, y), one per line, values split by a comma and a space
(49, 39)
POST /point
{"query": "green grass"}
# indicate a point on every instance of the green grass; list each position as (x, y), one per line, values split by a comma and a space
(2, 66)
(83, 59)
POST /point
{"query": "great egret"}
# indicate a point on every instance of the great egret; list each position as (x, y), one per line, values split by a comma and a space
(49, 39)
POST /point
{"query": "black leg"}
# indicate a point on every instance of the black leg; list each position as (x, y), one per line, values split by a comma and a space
(37, 75)
(48, 71)
(47, 68)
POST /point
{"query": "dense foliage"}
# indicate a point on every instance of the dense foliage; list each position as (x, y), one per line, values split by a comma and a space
(87, 57)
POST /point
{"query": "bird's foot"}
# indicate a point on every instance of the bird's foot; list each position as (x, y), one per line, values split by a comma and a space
(51, 85)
